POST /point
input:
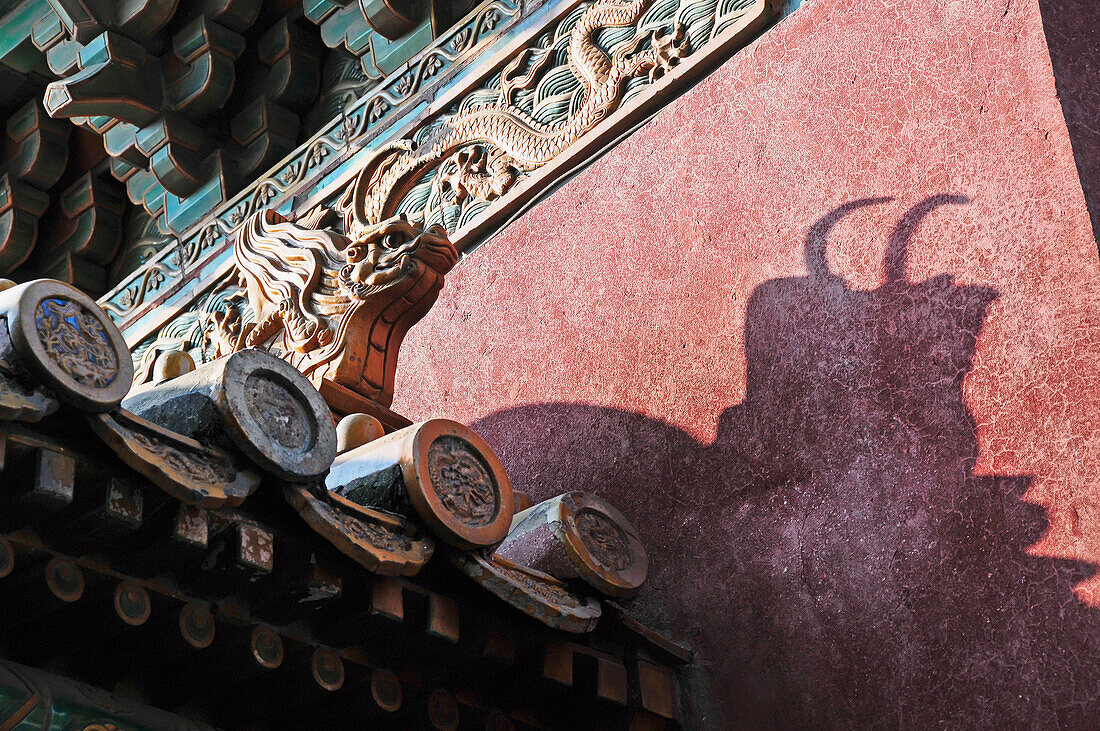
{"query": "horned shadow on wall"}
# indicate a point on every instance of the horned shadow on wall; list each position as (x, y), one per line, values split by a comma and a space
(851, 566)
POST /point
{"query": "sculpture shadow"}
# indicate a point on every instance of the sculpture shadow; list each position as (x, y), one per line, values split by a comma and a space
(1072, 30)
(832, 555)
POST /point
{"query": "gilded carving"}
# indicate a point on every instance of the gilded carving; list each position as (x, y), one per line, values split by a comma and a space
(76, 341)
(461, 481)
(337, 307)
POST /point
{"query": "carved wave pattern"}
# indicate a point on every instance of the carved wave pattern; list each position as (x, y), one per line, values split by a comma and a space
(554, 95)
(372, 109)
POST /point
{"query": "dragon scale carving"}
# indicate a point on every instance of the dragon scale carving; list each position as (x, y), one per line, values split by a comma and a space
(483, 150)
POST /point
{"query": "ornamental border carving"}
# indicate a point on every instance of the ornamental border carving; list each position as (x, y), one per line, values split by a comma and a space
(176, 266)
(679, 59)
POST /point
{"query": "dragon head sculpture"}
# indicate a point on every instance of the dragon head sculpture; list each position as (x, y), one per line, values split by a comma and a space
(338, 308)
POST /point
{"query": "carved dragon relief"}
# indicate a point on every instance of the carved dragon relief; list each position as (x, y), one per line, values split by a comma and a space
(336, 304)
(482, 151)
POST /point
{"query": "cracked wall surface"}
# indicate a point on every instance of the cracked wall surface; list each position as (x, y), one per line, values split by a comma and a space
(827, 330)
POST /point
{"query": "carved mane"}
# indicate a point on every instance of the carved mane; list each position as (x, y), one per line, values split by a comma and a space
(319, 298)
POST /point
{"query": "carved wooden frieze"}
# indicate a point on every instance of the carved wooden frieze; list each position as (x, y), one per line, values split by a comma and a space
(338, 308)
(483, 149)
(373, 108)
(572, 79)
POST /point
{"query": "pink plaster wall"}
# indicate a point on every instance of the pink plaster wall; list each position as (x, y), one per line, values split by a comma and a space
(858, 436)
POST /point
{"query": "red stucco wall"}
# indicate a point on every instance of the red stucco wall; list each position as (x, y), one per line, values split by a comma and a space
(859, 437)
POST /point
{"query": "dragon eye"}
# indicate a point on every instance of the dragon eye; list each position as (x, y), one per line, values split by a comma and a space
(391, 240)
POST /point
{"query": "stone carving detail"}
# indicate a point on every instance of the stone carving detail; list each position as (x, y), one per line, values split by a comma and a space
(552, 591)
(531, 591)
(338, 308)
(283, 414)
(461, 481)
(198, 467)
(604, 540)
(483, 149)
(77, 341)
(193, 473)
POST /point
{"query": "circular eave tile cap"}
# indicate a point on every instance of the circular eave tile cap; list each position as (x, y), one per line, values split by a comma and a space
(456, 512)
(602, 544)
(278, 418)
(65, 339)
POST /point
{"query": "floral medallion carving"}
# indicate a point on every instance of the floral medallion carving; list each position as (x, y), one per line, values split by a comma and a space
(461, 481)
(75, 339)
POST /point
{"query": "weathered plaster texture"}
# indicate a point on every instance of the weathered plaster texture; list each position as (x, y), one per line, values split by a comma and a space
(858, 436)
